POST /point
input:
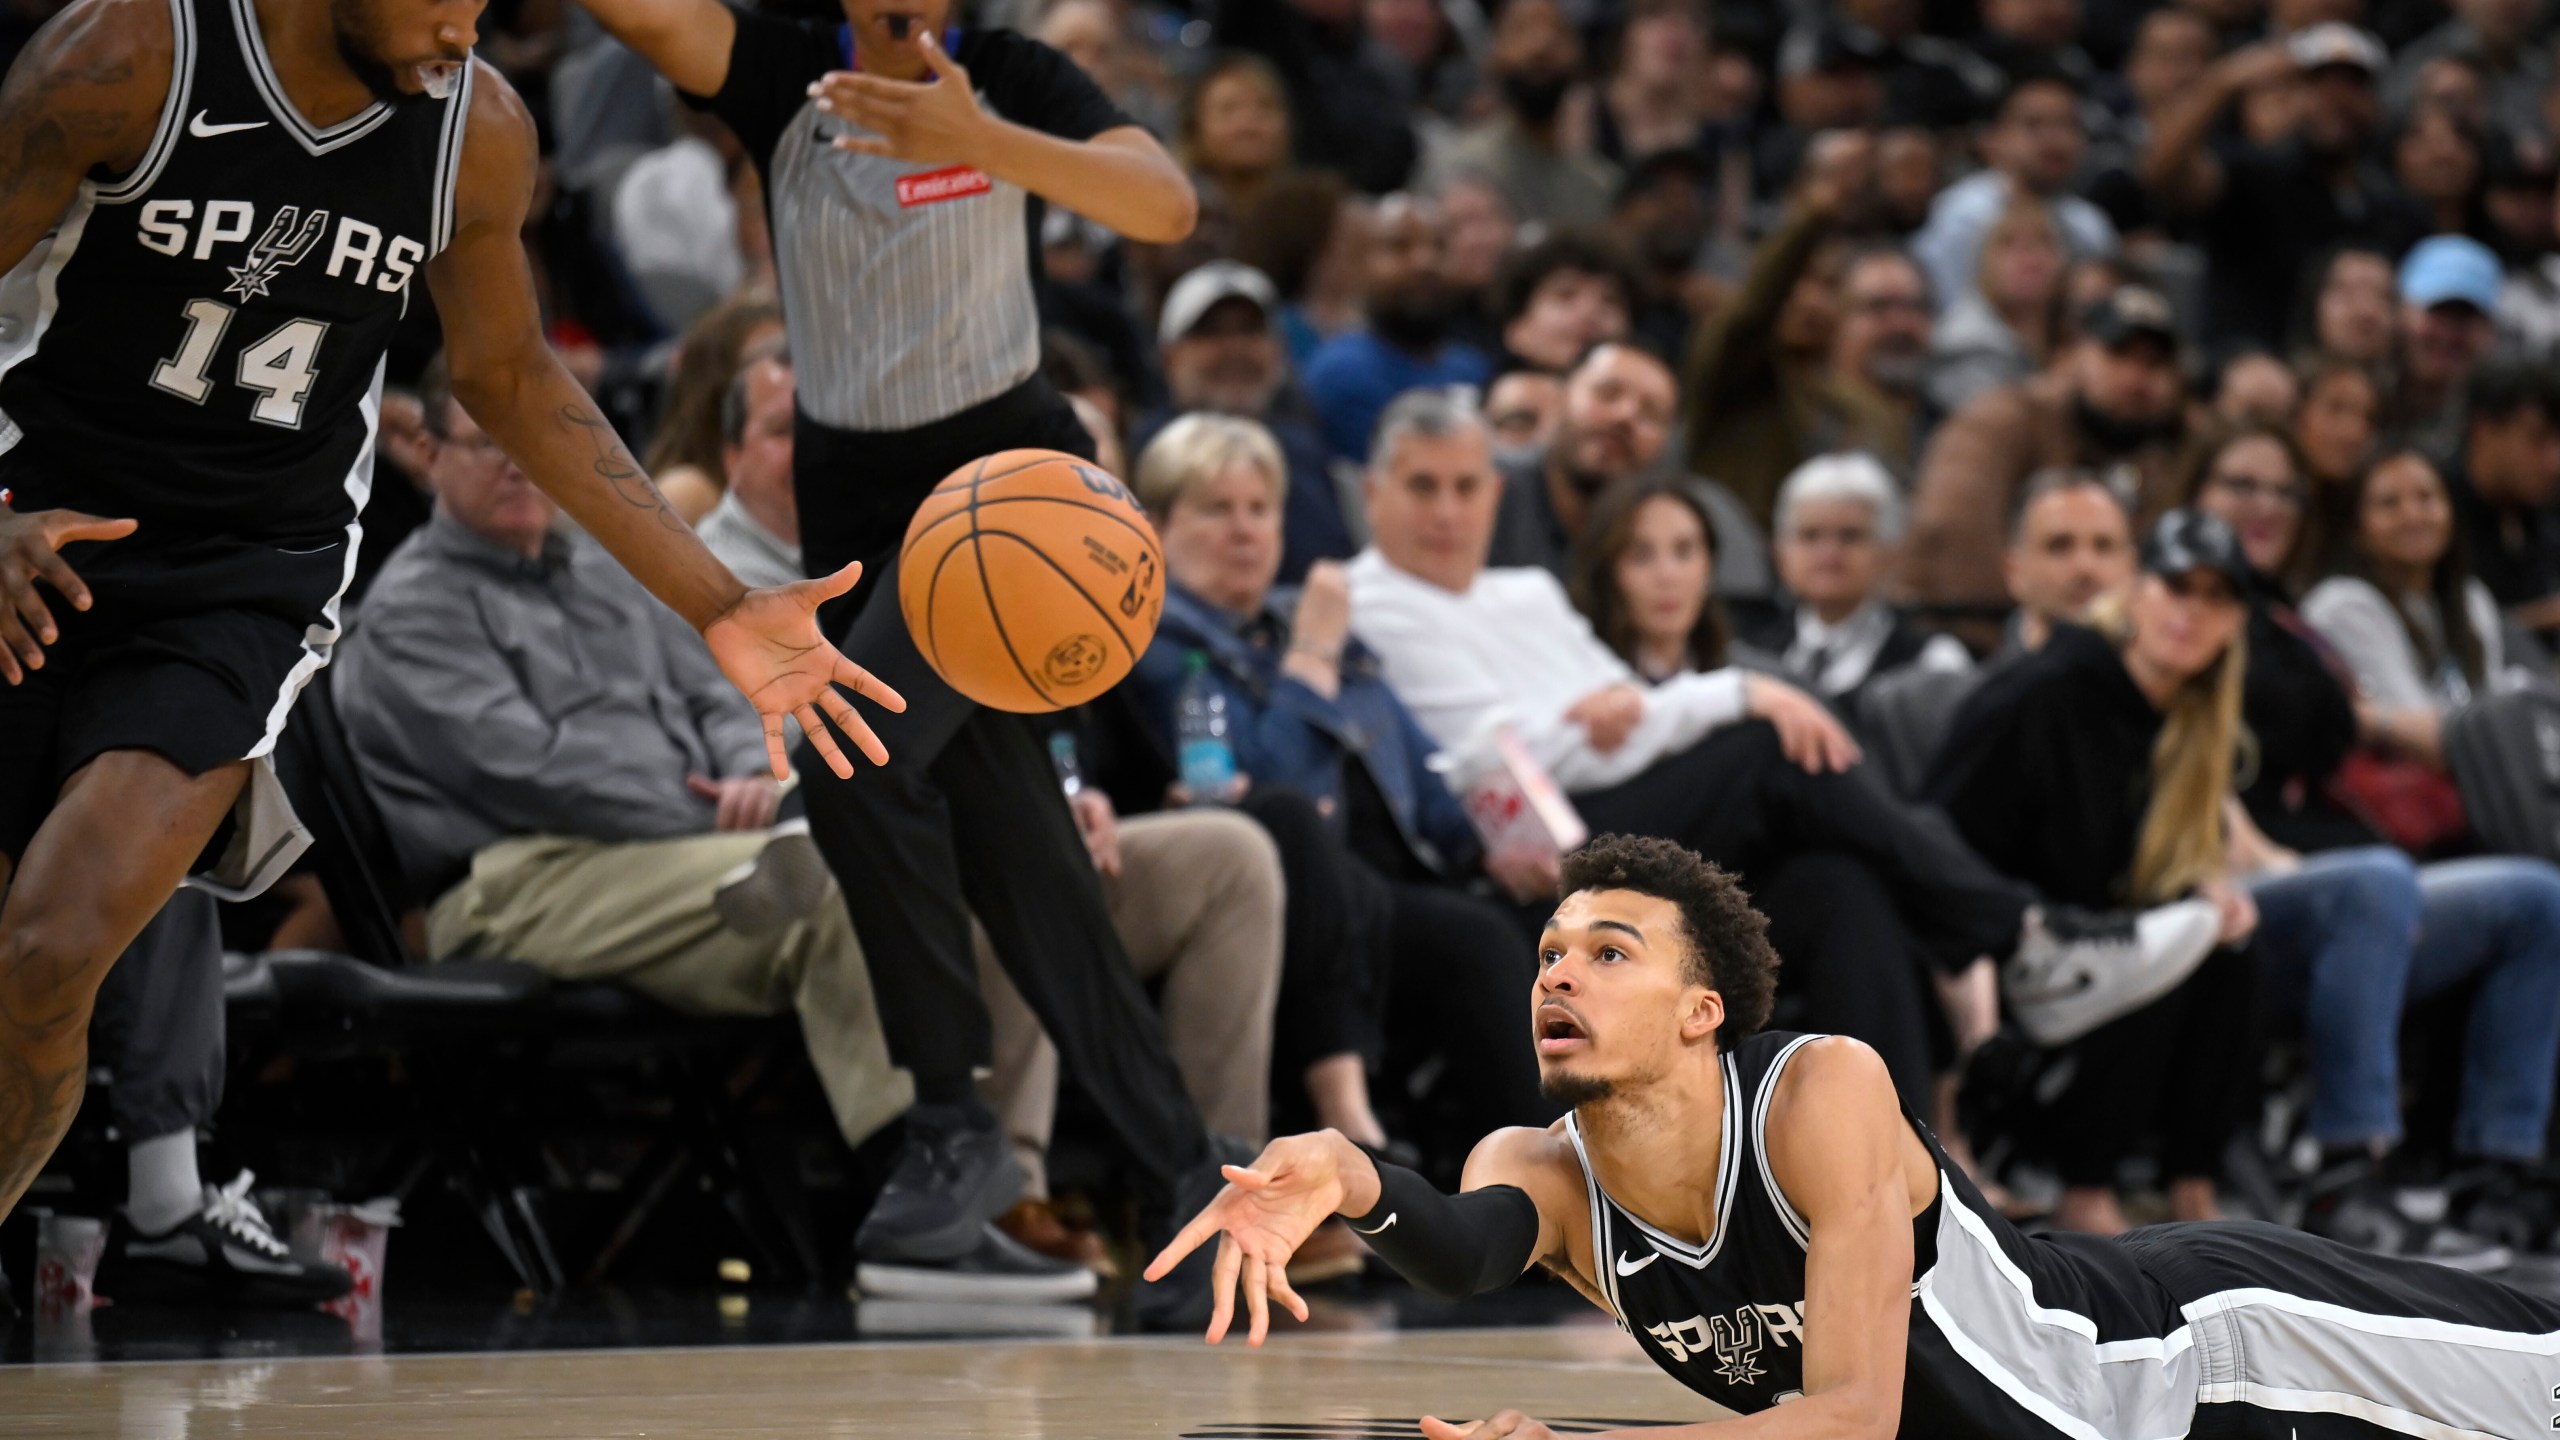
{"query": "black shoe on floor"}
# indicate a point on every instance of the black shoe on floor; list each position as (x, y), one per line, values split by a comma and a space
(2508, 1203)
(998, 1270)
(225, 1252)
(2353, 1205)
(1181, 1300)
(952, 1178)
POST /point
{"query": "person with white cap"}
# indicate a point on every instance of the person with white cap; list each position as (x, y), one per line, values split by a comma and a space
(2265, 209)
(1223, 353)
(2449, 287)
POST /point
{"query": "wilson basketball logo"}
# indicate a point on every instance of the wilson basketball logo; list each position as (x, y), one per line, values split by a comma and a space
(935, 186)
(1075, 660)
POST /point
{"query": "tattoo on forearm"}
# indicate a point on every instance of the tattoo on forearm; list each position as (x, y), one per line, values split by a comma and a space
(619, 470)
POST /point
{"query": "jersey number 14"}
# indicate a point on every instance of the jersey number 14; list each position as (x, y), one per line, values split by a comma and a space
(280, 369)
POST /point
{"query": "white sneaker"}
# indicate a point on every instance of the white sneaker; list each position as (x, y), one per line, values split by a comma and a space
(786, 881)
(2075, 970)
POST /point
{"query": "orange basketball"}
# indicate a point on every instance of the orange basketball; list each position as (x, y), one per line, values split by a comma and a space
(1031, 580)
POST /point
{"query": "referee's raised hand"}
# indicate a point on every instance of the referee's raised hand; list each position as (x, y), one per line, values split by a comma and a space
(931, 122)
(30, 542)
(769, 646)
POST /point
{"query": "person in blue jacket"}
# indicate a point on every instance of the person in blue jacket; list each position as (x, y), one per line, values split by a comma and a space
(1390, 874)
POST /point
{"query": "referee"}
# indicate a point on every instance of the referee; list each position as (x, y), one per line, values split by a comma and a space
(899, 158)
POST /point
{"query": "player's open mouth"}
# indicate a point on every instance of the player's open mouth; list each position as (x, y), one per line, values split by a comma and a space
(1558, 1031)
(899, 25)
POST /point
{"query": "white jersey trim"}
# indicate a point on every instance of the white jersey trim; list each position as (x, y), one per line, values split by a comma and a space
(262, 74)
(173, 110)
(30, 289)
(1787, 1214)
(457, 122)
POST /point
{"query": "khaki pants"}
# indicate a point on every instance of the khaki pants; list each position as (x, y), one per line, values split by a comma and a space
(1198, 903)
(638, 913)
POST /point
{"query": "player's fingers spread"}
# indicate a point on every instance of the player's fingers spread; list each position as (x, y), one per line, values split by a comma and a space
(1438, 1429)
(28, 609)
(824, 743)
(773, 748)
(1284, 1292)
(828, 587)
(1188, 1239)
(1245, 1178)
(1257, 1302)
(65, 526)
(871, 687)
(856, 729)
(1222, 1290)
(16, 646)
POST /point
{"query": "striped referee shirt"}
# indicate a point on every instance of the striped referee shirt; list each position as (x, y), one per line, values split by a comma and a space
(906, 288)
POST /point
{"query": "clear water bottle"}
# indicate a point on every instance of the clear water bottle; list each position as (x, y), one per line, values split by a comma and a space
(1062, 757)
(1207, 756)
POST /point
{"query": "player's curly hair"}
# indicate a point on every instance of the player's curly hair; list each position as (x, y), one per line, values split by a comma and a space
(1728, 940)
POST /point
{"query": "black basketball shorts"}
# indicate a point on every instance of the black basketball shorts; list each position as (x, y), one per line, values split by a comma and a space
(193, 648)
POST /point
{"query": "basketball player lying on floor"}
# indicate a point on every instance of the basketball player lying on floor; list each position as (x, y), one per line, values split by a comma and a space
(1781, 1238)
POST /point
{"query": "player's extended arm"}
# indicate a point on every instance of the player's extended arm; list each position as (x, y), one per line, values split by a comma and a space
(1450, 1246)
(1121, 178)
(767, 641)
(84, 94)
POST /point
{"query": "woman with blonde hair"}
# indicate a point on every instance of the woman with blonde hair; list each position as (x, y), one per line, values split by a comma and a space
(2094, 770)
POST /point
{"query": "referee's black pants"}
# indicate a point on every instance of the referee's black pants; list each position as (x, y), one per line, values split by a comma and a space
(968, 815)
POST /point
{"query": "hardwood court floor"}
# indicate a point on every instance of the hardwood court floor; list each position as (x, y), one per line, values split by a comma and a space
(1301, 1387)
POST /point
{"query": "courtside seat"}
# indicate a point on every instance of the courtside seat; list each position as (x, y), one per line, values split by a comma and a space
(477, 1035)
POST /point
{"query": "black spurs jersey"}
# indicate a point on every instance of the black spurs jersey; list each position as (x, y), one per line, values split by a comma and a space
(199, 343)
(2011, 1337)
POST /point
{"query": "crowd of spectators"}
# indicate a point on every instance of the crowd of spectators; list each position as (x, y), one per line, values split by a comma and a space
(2034, 487)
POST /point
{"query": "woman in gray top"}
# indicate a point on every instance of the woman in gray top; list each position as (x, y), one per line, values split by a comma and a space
(2420, 634)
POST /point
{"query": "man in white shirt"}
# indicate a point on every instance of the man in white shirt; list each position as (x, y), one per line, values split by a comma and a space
(1469, 649)
(755, 529)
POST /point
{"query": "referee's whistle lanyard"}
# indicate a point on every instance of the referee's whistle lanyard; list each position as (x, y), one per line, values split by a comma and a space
(844, 46)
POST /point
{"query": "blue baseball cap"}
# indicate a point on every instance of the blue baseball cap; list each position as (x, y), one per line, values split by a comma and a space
(2444, 268)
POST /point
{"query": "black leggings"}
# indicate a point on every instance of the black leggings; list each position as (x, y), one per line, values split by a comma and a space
(1736, 798)
(1847, 965)
(968, 816)
(1367, 955)
(2177, 1076)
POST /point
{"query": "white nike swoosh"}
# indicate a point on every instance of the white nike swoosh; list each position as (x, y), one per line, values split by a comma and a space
(257, 1264)
(202, 131)
(1624, 1268)
(1381, 1230)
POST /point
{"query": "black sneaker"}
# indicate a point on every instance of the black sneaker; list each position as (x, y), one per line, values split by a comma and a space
(950, 1181)
(225, 1251)
(2074, 970)
(998, 1269)
(2507, 1203)
(2354, 1206)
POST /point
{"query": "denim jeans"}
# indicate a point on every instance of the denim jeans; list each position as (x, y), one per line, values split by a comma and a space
(2354, 935)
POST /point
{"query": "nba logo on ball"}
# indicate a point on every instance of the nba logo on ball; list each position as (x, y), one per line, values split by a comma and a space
(1031, 580)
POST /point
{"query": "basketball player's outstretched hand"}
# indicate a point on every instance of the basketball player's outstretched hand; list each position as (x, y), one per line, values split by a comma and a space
(769, 646)
(1508, 1425)
(1266, 1212)
(30, 546)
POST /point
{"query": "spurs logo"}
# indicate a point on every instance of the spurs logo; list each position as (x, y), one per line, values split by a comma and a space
(1736, 1340)
(290, 236)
